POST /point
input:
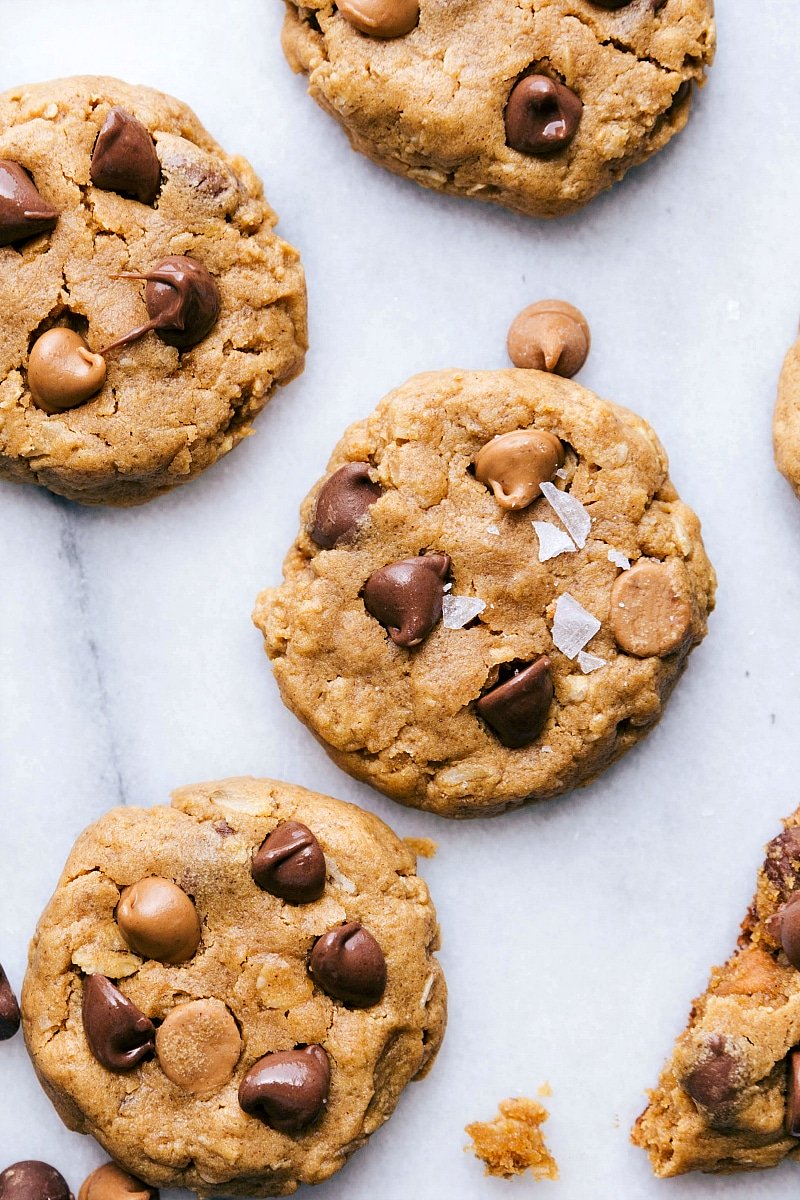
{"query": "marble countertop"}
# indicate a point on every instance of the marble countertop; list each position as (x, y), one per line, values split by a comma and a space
(576, 932)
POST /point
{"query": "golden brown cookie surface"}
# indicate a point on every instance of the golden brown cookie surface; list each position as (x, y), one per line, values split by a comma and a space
(242, 1074)
(537, 105)
(175, 400)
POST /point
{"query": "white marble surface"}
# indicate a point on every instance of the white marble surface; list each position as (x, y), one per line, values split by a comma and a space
(576, 933)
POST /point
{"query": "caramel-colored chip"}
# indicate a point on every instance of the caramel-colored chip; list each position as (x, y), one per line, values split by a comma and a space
(649, 616)
(515, 465)
(158, 920)
(62, 371)
(198, 1045)
(110, 1182)
(550, 335)
(381, 18)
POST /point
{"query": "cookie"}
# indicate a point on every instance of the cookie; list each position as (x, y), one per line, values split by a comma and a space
(729, 1098)
(513, 1142)
(535, 106)
(149, 308)
(492, 594)
(230, 994)
(786, 420)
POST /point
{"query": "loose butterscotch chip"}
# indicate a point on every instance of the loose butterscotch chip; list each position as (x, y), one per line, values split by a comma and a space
(649, 616)
(551, 335)
(513, 1142)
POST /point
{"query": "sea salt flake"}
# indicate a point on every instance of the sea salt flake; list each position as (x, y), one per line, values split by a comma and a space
(570, 512)
(590, 662)
(619, 559)
(573, 626)
(552, 541)
(493, 529)
(448, 587)
(458, 611)
(561, 473)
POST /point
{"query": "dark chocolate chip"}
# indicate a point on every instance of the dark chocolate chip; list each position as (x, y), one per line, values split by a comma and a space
(290, 864)
(349, 964)
(782, 862)
(125, 159)
(406, 596)
(789, 930)
(287, 1090)
(119, 1035)
(793, 1094)
(182, 300)
(23, 212)
(9, 1009)
(713, 1085)
(33, 1180)
(542, 115)
(341, 503)
(516, 709)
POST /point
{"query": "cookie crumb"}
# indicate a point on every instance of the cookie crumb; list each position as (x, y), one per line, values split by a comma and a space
(544, 1090)
(423, 847)
(513, 1143)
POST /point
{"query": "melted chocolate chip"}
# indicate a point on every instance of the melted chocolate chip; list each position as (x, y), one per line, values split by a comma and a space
(349, 964)
(342, 501)
(516, 710)
(23, 212)
(713, 1085)
(782, 862)
(406, 596)
(9, 1009)
(793, 1094)
(542, 116)
(287, 1090)
(125, 159)
(290, 864)
(789, 930)
(119, 1035)
(33, 1180)
(182, 300)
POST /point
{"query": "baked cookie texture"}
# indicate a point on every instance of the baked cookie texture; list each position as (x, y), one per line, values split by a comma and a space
(405, 719)
(253, 958)
(729, 1097)
(163, 415)
(786, 421)
(430, 105)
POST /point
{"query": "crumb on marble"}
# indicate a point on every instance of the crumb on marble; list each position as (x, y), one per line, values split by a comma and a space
(513, 1142)
(544, 1090)
(422, 847)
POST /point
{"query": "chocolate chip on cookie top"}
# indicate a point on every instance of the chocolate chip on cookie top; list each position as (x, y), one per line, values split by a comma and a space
(381, 18)
(23, 212)
(119, 1035)
(517, 708)
(349, 964)
(287, 1089)
(406, 597)
(124, 158)
(550, 335)
(290, 864)
(158, 920)
(542, 116)
(182, 300)
(343, 500)
(33, 1180)
(110, 1182)
(9, 1009)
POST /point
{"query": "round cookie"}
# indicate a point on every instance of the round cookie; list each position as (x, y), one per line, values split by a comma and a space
(440, 631)
(236, 1071)
(125, 228)
(535, 106)
(786, 420)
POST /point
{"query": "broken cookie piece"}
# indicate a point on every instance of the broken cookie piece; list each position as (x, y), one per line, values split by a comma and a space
(513, 1142)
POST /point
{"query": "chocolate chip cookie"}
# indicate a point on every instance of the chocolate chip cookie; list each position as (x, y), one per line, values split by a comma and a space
(535, 105)
(149, 310)
(230, 994)
(492, 594)
(729, 1098)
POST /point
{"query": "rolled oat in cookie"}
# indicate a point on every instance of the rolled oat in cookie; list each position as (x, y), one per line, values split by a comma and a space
(534, 104)
(493, 592)
(230, 994)
(729, 1097)
(149, 308)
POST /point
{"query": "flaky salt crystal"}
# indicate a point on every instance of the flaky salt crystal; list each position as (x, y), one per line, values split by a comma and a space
(570, 512)
(458, 611)
(552, 541)
(573, 626)
(561, 473)
(493, 529)
(590, 662)
(619, 559)
(448, 587)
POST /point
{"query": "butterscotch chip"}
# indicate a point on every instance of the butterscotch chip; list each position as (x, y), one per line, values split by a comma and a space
(513, 1142)
(198, 1045)
(550, 335)
(515, 465)
(649, 613)
(109, 1182)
